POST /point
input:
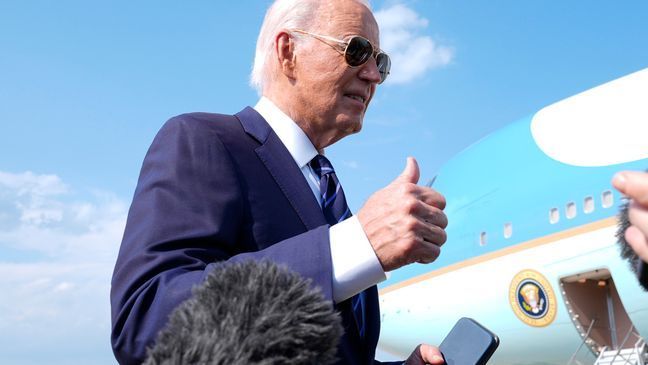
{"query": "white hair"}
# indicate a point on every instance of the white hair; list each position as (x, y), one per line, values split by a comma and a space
(282, 14)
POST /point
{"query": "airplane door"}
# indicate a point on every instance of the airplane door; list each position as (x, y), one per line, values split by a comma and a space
(596, 310)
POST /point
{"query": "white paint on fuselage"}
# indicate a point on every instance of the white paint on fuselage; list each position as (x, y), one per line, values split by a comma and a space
(602, 126)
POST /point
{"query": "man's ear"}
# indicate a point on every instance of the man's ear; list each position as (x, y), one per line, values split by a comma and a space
(285, 49)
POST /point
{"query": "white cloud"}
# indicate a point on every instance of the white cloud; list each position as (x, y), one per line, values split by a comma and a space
(56, 279)
(31, 195)
(39, 215)
(412, 53)
(28, 183)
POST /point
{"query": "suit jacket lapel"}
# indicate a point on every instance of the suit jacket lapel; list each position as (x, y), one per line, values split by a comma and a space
(290, 179)
(283, 168)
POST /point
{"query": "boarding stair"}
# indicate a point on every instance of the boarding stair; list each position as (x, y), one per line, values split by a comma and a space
(637, 355)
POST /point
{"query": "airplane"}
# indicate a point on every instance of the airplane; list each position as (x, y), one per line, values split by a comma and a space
(531, 251)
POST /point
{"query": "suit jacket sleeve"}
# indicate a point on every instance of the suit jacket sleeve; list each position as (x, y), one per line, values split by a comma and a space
(188, 213)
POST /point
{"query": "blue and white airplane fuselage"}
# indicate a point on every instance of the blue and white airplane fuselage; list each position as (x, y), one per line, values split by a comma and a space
(531, 251)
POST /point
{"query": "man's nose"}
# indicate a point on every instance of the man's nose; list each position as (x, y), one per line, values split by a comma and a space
(369, 71)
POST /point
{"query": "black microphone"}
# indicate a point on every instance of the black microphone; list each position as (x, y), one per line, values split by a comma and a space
(637, 265)
(250, 313)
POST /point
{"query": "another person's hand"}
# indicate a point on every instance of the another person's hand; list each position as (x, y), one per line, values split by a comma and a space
(405, 222)
(425, 354)
(635, 186)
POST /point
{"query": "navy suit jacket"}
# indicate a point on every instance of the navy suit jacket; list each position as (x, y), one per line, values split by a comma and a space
(214, 188)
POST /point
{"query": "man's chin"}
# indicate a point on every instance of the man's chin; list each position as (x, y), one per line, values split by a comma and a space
(354, 127)
(354, 123)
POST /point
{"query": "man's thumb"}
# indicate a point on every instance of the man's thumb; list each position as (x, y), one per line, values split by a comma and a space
(411, 172)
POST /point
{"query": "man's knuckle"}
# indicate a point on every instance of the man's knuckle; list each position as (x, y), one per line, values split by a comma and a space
(410, 245)
(410, 224)
(410, 205)
(407, 188)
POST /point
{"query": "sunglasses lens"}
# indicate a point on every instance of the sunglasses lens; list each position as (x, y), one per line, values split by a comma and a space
(384, 65)
(358, 51)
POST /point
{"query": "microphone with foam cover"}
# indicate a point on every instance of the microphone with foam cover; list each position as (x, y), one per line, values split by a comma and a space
(250, 313)
(637, 265)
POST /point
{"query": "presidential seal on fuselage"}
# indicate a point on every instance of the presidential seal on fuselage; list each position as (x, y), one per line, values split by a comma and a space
(532, 298)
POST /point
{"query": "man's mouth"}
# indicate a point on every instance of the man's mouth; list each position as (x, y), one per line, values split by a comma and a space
(356, 97)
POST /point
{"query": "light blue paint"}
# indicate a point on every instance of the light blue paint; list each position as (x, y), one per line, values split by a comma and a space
(506, 178)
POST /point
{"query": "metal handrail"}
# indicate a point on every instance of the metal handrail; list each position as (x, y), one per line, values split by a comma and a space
(618, 353)
(582, 342)
(640, 348)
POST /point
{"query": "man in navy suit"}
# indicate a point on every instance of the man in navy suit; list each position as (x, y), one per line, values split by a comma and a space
(230, 188)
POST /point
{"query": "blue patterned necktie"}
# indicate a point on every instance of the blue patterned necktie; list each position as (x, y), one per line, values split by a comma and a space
(335, 209)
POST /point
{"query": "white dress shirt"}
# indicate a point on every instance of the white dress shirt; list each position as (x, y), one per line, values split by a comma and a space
(354, 262)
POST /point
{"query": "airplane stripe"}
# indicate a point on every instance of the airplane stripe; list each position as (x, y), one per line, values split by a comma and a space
(603, 223)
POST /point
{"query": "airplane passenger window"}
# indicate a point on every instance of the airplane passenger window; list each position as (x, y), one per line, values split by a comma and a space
(588, 205)
(607, 199)
(554, 215)
(508, 230)
(570, 210)
(483, 239)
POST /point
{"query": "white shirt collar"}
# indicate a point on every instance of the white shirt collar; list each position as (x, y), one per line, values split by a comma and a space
(293, 137)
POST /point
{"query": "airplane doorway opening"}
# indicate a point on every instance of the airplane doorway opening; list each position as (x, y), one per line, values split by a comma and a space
(597, 312)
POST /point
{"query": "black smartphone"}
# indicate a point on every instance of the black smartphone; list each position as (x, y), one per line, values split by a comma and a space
(468, 343)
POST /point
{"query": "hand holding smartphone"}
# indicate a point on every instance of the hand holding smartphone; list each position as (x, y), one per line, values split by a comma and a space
(468, 343)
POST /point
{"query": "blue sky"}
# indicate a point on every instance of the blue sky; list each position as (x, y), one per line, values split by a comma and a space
(84, 87)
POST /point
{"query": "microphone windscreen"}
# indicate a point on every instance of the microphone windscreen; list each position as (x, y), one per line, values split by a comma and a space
(626, 251)
(636, 264)
(250, 313)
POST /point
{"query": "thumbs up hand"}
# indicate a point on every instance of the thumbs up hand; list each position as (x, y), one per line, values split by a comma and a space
(405, 222)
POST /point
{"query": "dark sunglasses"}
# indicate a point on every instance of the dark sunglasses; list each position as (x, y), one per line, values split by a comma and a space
(356, 51)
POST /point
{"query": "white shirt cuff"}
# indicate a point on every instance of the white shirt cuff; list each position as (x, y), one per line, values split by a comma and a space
(355, 265)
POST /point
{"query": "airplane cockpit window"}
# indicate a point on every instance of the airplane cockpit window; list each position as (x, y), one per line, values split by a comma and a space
(588, 205)
(607, 199)
(554, 215)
